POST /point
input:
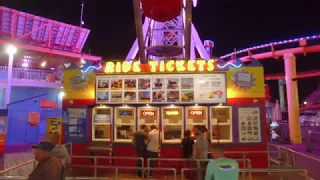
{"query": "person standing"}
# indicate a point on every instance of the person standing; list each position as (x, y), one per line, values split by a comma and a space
(153, 145)
(200, 149)
(140, 141)
(186, 149)
(59, 151)
(48, 167)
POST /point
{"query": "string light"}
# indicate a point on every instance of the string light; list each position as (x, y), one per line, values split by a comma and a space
(271, 44)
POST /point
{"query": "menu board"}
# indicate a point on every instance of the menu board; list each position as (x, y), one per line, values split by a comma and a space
(148, 116)
(221, 124)
(196, 115)
(249, 124)
(172, 123)
(124, 123)
(101, 123)
(161, 88)
(77, 125)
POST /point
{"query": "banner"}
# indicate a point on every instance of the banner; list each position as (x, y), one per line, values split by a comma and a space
(78, 85)
(53, 125)
(245, 82)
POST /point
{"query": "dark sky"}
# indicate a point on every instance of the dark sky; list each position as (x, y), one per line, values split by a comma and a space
(229, 23)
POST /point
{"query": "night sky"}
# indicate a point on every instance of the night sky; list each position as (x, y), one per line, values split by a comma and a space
(229, 23)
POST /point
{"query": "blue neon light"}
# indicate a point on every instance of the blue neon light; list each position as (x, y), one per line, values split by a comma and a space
(91, 67)
(227, 64)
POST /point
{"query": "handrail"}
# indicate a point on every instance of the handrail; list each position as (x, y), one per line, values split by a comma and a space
(17, 166)
(310, 139)
(294, 152)
(303, 171)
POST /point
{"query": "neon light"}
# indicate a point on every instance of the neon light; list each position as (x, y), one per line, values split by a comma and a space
(227, 64)
(91, 67)
(272, 44)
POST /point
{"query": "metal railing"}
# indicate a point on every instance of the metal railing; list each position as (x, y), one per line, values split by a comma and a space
(313, 141)
(294, 172)
(294, 159)
(34, 75)
(284, 156)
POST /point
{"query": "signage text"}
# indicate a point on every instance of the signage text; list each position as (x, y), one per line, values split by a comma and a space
(161, 66)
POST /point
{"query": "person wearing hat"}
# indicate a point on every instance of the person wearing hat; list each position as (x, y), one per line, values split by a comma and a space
(48, 167)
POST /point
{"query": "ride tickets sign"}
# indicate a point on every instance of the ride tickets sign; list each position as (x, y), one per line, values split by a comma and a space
(148, 113)
(180, 66)
(196, 112)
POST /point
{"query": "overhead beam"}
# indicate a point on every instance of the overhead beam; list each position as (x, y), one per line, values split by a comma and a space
(187, 31)
(138, 22)
(53, 51)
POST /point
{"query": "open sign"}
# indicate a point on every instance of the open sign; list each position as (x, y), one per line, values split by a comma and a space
(196, 112)
(148, 113)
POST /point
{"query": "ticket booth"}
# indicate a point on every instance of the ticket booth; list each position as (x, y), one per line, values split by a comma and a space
(124, 123)
(196, 115)
(172, 124)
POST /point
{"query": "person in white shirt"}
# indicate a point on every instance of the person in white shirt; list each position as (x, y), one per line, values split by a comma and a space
(153, 145)
(59, 151)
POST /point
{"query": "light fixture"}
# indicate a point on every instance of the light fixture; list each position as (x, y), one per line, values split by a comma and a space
(52, 68)
(305, 103)
(196, 104)
(25, 65)
(11, 49)
(220, 104)
(43, 64)
(61, 94)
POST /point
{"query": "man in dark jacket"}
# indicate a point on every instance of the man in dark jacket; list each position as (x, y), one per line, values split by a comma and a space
(48, 168)
(140, 141)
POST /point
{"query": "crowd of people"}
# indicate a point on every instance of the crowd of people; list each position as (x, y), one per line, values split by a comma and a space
(53, 157)
(196, 145)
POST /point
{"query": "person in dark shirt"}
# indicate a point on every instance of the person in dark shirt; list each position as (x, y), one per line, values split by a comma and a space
(187, 144)
(187, 149)
(140, 141)
(48, 167)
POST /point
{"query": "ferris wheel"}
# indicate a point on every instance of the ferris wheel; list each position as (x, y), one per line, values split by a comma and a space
(165, 31)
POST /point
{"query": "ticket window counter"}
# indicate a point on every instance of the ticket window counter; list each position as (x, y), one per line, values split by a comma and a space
(221, 124)
(102, 124)
(101, 131)
(196, 115)
(172, 124)
(149, 116)
(124, 123)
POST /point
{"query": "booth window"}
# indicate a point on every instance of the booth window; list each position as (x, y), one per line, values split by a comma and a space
(101, 123)
(221, 124)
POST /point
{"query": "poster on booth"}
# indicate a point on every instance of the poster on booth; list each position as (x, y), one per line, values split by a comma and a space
(161, 88)
(76, 130)
(78, 85)
(53, 125)
(245, 82)
(3, 124)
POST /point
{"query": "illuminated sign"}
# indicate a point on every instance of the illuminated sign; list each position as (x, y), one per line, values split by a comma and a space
(172, 113)
(196, 112)
(148, 113)
(161, 66)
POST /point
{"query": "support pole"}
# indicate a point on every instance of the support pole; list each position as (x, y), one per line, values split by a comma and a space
(292, 98)
(187, 32)
(138, 21)
(9, 80)
(281, 84)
